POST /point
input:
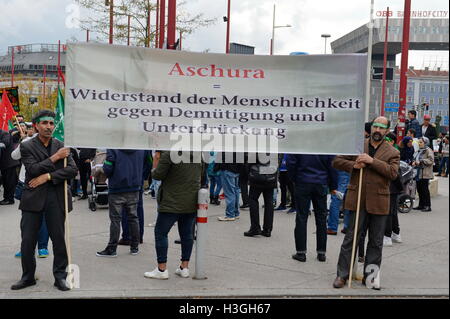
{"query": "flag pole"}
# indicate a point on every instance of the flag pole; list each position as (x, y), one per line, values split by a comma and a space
(356, 228)
(12, 67)
(59, 58)
(67, 232)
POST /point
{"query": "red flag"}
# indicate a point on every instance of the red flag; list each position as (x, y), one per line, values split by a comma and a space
(6, 111)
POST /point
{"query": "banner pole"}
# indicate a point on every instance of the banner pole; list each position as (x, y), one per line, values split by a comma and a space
(369, 62)
(67, 232)
(355, 231)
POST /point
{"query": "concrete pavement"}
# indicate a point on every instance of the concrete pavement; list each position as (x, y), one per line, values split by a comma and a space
(236, 266)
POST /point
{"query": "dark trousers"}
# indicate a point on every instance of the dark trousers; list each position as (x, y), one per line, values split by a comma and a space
(255, 192)
(119, 202)
(285, 185)
(305, 193)
(30, 225)
(140, 214)
(9, 180)
(85, 173)
(392, 224)
(243, 184)
(424, 193)
(164, 224)
(375, 225)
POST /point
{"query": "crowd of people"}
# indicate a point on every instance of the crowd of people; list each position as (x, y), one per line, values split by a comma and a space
(34, 171)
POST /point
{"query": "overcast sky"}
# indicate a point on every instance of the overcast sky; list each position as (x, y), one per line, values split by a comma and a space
(44, 21)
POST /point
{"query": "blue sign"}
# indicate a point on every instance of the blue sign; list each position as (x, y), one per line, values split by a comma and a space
(392, 105)
(391, 109)
(445, 120)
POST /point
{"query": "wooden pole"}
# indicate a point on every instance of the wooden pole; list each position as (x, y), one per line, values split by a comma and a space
(12, 67)
(67, 228)
(355, 231)
(43, 87)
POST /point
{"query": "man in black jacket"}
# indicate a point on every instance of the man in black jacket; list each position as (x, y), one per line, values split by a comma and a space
(8, 168)
(86, 157)
(43, 194)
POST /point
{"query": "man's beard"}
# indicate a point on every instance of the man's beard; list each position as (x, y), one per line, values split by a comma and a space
(377, 137)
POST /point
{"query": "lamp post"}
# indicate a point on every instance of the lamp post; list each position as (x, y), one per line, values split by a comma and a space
(325, 36)
(227, 20)
(272, 44)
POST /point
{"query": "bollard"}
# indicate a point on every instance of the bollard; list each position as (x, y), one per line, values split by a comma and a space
(202, 222)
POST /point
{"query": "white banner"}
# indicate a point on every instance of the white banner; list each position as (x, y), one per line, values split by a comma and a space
(138, 98)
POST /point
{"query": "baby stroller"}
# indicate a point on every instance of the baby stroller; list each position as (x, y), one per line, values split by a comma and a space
(407, 177)
(98, 179)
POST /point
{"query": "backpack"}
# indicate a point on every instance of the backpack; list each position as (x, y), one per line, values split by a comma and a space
(264, 176)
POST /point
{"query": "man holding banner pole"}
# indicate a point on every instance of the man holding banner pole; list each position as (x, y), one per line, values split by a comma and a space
(44, 193)
(373, 171)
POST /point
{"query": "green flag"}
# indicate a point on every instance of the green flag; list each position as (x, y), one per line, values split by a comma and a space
(58, 133)
(10, 125)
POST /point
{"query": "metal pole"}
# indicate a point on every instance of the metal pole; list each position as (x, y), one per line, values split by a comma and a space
(227, 49)
(129, 26)
(383, 89)
(157, 26)
(171, 24)
(162, 22)
(202, 226)
(111, 21)
(43, 88)
(403, 70)
(147, 41)
(369, 62)
(325, 51)
(12, 67)
(273, 33)
(59, 59)
(87, 35)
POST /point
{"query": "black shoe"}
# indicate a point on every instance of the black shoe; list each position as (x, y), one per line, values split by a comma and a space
(244, 206)
(426, 209)
(252, 233)
(299, 257)
(134, 251)
(141, 241)
(21, 284)
(266, 233)
(123, 242)
(344, 230)
(106, 253)
(85, 196)
(177, 241)
(321, 257)
(61, 285)
(418, 208)
(280, 208)
(7, 202)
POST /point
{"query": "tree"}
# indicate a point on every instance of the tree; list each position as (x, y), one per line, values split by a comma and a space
(139, 11)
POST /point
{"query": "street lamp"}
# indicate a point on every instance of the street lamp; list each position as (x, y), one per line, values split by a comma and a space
(325, 36)
(272, 46)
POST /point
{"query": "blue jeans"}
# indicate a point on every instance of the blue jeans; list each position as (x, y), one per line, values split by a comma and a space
(335, 205)
(444, 163)
(230, 183)
(163, 225)
(215, 185)
(43, 235)
(140, 213)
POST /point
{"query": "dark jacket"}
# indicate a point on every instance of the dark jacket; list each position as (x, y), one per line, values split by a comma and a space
(414, 124)
(227, 162)
(313, 169)
(37, 161)
(125, 170)
(376, 179)
(178, 192)
(6, 160)
(87, 153)
(430, 133)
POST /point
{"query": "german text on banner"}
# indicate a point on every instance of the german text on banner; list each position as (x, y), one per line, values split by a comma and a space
(125, 97)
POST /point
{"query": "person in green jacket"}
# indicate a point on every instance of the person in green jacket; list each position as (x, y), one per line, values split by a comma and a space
(177, 202)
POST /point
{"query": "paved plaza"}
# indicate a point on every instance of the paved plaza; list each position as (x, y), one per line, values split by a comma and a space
(236, 266)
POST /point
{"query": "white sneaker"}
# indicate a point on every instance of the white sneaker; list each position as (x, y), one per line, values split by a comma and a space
(226, 219)
(387, 241)
(396, 238)
(156, 274)
(182, 272)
